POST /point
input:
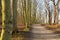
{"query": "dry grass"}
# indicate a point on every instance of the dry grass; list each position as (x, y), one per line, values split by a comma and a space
(54, 27)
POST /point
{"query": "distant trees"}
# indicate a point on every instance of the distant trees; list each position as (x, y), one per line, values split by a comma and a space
(33, 11)
(26, 12)
(56, 12)
(59, 12)
(53, 14)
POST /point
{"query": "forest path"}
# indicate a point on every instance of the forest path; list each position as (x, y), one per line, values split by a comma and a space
(39, 32)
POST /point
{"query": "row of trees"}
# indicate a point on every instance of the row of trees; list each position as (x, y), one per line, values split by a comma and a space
(26, 12)
(48, 11)
(10, 12)
(36, 11)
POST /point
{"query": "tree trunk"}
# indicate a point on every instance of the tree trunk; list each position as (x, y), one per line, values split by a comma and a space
(0, 13)
(15, 14)
(0, 17)
(6, 20)
(34, 5)
(56, 14)
(50, 18)
(27, 13)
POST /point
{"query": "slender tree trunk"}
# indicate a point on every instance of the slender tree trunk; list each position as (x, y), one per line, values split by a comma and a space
(27, 12)
(34, 12)
(15, 14)
(0, 13)
(58, 11)
(50, 18)
(56, 14)
(6, 20)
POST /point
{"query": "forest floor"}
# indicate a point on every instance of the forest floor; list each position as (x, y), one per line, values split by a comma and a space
(37, 32)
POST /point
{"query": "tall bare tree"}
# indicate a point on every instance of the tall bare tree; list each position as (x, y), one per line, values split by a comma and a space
(34, 7)
(56, 11)
(6, 21)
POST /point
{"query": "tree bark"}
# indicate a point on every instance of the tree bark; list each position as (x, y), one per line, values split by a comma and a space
(6, 20)
(0, 13)
(14, 14)
(56, 13)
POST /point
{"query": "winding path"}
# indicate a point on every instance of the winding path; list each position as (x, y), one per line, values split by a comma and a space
(39, 32)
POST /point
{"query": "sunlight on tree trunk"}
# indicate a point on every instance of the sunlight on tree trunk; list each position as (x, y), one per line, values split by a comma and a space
(3, 18)
(14, 14)
(6, 21)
